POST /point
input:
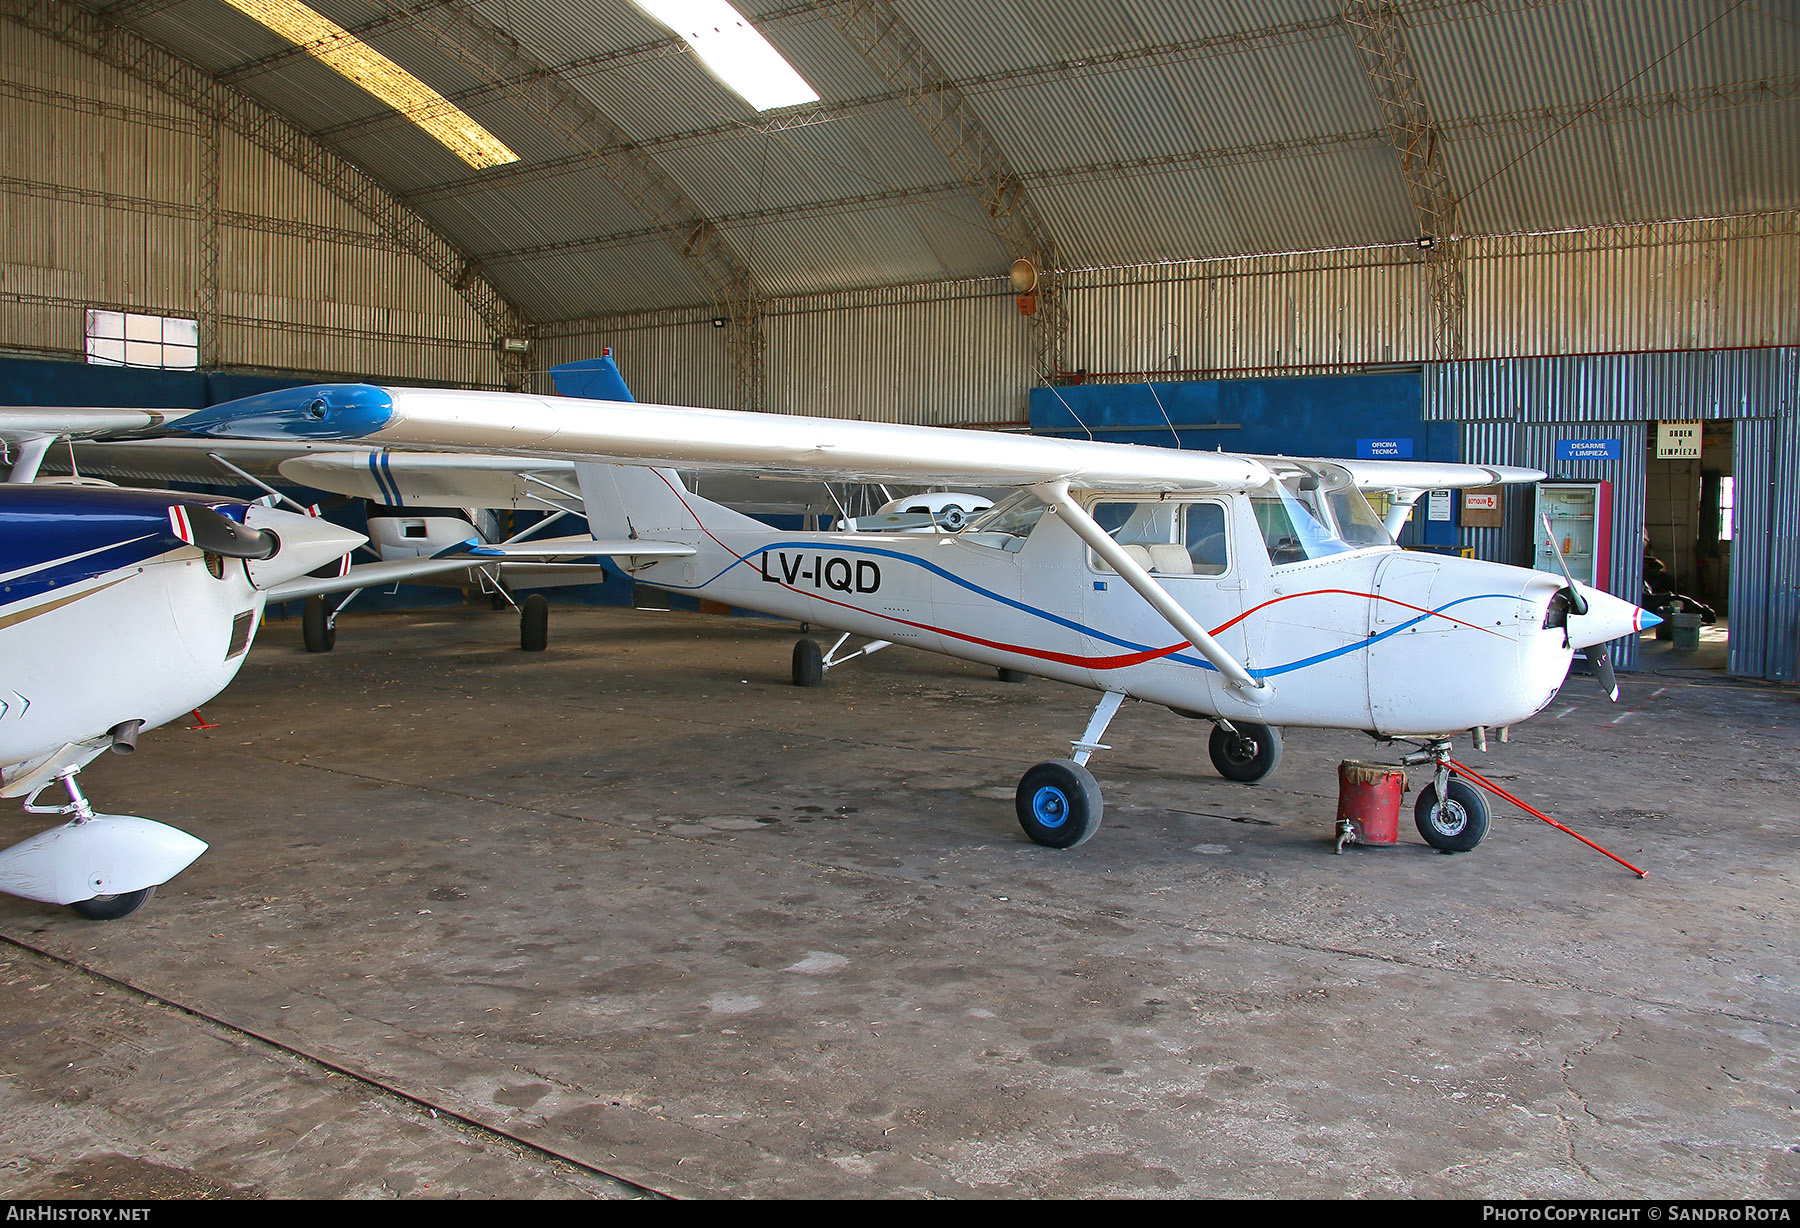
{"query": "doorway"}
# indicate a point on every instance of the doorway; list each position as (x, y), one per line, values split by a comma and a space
(1689, 527)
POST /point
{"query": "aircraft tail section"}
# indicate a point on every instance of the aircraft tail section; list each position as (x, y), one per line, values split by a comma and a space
(633, 501)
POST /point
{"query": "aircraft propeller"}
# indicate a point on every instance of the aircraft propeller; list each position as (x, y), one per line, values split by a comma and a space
(1597, 654)
(218, 534)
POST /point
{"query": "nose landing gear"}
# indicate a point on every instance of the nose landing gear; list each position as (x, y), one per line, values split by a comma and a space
(1451, 814)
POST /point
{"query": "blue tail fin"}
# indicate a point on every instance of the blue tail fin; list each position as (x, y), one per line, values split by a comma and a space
(595, 379)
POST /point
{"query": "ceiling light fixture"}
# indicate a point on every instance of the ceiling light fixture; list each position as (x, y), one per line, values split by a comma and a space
(734, 50)
(348, 55)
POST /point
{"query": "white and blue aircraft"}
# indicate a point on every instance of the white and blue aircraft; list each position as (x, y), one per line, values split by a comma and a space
(120, 610)
(1253, 592)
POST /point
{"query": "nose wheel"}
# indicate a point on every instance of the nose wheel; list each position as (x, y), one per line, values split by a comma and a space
(1455, 824)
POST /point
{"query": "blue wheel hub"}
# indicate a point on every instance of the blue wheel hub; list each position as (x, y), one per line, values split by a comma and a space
(1050, 806)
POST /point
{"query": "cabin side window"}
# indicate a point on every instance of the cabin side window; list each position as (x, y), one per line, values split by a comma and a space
(1165, 537)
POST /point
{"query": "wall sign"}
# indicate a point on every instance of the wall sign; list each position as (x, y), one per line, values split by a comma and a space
(1678, 440)
(1587, 449)
(1384, 449)
(1483, 508)
(1437, 505)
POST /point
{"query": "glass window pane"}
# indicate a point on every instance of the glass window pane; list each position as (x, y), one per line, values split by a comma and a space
(106, 324)
(107, 351)
(143, 353)
(180, 357)
(143, 328)
(1203, 533)
(177, 331)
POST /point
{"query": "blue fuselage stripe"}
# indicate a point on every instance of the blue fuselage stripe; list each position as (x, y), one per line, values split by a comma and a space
(1081, 628)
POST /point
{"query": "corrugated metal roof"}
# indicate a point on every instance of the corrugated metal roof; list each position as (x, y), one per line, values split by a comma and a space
(1162, 129)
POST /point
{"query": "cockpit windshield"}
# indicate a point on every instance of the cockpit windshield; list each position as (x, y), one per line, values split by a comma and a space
(1308, 515)
(1008, 523)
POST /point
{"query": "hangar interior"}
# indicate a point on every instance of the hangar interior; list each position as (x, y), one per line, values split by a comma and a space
(1503, 232)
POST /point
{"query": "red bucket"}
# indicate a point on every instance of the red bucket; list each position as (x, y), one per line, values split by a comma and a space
(1369, 803)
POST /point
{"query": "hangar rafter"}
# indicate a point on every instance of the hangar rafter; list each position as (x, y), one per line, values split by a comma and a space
(1375, 26)
(896, 54)
(482, 47)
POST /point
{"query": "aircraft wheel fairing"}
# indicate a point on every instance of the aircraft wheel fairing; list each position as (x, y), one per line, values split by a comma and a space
(1459, 824)
(1059, 803)
(534, 623)
(809, 663)
(113, 907)
(315, 626)
(1247, 755)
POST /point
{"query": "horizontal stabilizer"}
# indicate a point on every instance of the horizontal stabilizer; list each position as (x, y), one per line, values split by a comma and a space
(401, 571)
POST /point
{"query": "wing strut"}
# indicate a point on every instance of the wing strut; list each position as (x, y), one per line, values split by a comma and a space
(31, 456)
(1056, 494)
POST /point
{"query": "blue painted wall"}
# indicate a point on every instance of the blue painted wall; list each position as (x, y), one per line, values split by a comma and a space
(1324, 415)
(39, 381)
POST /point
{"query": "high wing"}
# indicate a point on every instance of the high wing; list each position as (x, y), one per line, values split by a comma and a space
(18, 423)
(1415, 476)
(26, 432)
(410, 479)
(565, 428)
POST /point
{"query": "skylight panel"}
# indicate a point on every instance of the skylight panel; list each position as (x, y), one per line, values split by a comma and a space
(734, 51)
(348, 55)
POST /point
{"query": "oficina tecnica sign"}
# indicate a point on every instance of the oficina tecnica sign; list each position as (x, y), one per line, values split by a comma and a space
(1384, 449)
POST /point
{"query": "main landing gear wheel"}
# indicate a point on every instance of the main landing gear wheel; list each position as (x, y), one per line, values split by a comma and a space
(1059, 803)
(534, 623)
(1247, 755)
(809, 663)
(112, 907)
(316, 627)
(1457, 825)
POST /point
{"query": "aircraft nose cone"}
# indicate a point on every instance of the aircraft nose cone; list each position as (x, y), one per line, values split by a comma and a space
(307, 543)
(1607, 618)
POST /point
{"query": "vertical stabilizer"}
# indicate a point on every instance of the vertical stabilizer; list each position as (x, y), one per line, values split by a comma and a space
(596, 379)
(633, 501)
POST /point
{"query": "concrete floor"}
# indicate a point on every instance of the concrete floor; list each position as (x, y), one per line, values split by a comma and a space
(635, 917)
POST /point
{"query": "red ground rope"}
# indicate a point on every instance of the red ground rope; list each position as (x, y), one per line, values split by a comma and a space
(1497, 791)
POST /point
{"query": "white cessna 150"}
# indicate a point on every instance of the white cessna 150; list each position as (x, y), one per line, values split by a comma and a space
(1255, 592)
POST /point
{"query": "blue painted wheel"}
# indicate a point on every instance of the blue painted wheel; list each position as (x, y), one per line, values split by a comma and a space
(1059, 804)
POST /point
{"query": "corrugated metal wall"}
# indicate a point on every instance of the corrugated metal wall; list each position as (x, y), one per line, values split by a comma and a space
(1514, 412)
(946, 354)
(100, 182)
(959, 351)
